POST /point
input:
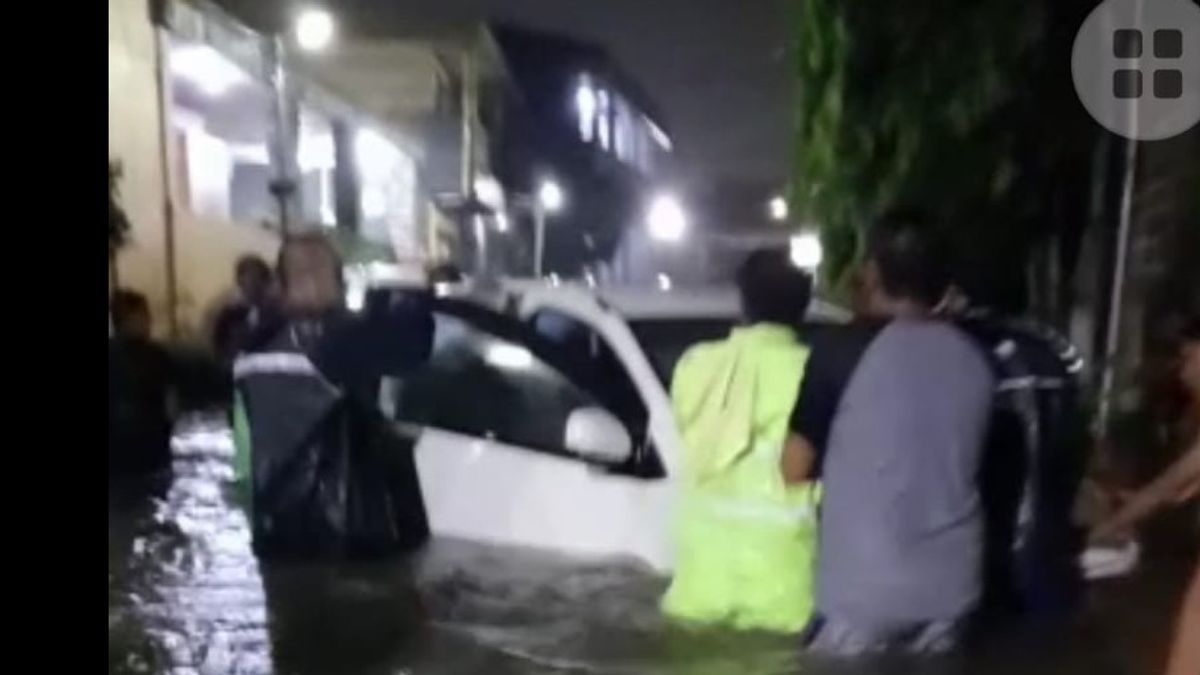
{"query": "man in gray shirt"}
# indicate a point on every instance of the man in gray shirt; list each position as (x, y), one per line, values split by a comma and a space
(892, 414)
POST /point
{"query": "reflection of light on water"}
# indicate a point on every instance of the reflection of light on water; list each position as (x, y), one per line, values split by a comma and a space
(204, 604)
(193, 588)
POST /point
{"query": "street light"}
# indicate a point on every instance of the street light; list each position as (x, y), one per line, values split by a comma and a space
(778, 208)
(666, 219)
(314, 29)
(806, 251)
(550, 199)
(550, 196)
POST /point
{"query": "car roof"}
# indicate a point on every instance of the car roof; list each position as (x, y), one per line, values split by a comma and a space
(642, 302)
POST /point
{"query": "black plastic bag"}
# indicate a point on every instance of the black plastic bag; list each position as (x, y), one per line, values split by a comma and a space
(331, 479)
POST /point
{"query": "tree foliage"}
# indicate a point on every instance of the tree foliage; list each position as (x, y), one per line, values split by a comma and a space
(962, 109)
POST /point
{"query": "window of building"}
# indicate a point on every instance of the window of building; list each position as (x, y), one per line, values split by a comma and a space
(317, 162)
(220, 125)
(387, 190)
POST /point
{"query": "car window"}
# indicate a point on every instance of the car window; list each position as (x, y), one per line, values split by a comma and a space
(601, 371)
(484, 378)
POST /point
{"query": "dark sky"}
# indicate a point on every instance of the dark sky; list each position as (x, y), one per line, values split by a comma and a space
(718, 68)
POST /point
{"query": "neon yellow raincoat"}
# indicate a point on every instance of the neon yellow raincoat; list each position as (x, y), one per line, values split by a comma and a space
(746, 541)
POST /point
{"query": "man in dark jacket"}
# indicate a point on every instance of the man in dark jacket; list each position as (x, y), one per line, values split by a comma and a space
(238, 321)
(329, 477)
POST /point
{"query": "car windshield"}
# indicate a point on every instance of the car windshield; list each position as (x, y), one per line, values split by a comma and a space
(665, 340)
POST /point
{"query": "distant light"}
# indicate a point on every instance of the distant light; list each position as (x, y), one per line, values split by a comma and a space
(554, 279)
(508, 356)
(589, 279)
(585, 106)
(664, 282)
(778, 208)
(666, 219)
(501, 222)
(314, 29)
(806, 251)
(207, 69)
(489, 191)
(550, 195)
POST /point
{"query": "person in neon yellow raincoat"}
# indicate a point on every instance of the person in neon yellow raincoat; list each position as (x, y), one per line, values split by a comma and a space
(745, 540)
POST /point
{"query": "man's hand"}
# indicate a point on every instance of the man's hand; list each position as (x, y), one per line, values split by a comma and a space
(797, 460)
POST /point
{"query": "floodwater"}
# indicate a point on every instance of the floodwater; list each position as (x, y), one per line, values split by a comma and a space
(187, 597)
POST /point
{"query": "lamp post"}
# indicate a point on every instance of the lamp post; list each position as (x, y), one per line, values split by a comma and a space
(548, 199)
(313, 30)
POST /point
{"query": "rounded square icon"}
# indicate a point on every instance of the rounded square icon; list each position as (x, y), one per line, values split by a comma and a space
(1168, 43)
(1168, 84)
(1127, 83)
(1127, 43)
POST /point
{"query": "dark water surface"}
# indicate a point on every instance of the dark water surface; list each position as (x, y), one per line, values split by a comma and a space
(186, 596)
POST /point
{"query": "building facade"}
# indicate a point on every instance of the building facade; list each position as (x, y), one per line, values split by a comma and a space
(583, 123)
(226, 136)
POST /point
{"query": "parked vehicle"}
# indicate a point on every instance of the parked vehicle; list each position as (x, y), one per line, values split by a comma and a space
(545, 417)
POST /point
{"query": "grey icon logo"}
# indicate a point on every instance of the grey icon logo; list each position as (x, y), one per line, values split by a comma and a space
(1136, 67)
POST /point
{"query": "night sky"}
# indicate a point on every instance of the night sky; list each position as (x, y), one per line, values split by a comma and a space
(717, 68)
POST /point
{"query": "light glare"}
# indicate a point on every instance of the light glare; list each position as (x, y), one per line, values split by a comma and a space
(806, 251)
(314, 29)
(667, 220)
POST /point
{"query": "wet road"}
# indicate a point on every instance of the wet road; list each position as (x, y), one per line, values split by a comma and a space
(186, 596)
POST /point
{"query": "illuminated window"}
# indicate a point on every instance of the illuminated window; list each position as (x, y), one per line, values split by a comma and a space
(604, 118)
(317, 161)
(221, 127)
(585, 108)
(387, 191)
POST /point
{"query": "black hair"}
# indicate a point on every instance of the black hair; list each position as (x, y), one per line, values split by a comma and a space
(127, 304)
(772, 288)
(252, 263)
(912, 257)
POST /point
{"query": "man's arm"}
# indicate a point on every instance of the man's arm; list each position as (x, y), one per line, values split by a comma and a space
(1178, 483)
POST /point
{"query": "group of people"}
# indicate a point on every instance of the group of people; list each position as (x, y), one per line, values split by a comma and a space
(843, 486)
(839, 487)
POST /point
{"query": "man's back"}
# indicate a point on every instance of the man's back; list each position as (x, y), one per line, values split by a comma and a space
(901, 533)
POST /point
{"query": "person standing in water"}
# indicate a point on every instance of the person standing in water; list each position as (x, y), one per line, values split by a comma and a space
(896, 407)
(238, 321)
(328, 477)
(140, 383)
(745, 539)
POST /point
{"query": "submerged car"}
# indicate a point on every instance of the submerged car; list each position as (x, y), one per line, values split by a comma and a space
(544, 417)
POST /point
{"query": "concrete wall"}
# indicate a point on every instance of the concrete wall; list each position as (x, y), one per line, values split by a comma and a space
(206, 249)
(133, 139)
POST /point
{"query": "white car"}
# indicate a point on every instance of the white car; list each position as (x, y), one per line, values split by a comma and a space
(545, 418)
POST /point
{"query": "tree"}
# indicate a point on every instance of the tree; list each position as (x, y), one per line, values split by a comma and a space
(964, 110)
(118, 222)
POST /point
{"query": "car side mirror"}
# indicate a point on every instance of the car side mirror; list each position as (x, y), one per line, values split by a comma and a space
(594, 433)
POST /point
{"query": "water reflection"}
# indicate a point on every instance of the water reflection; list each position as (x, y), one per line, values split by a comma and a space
(186, 596)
